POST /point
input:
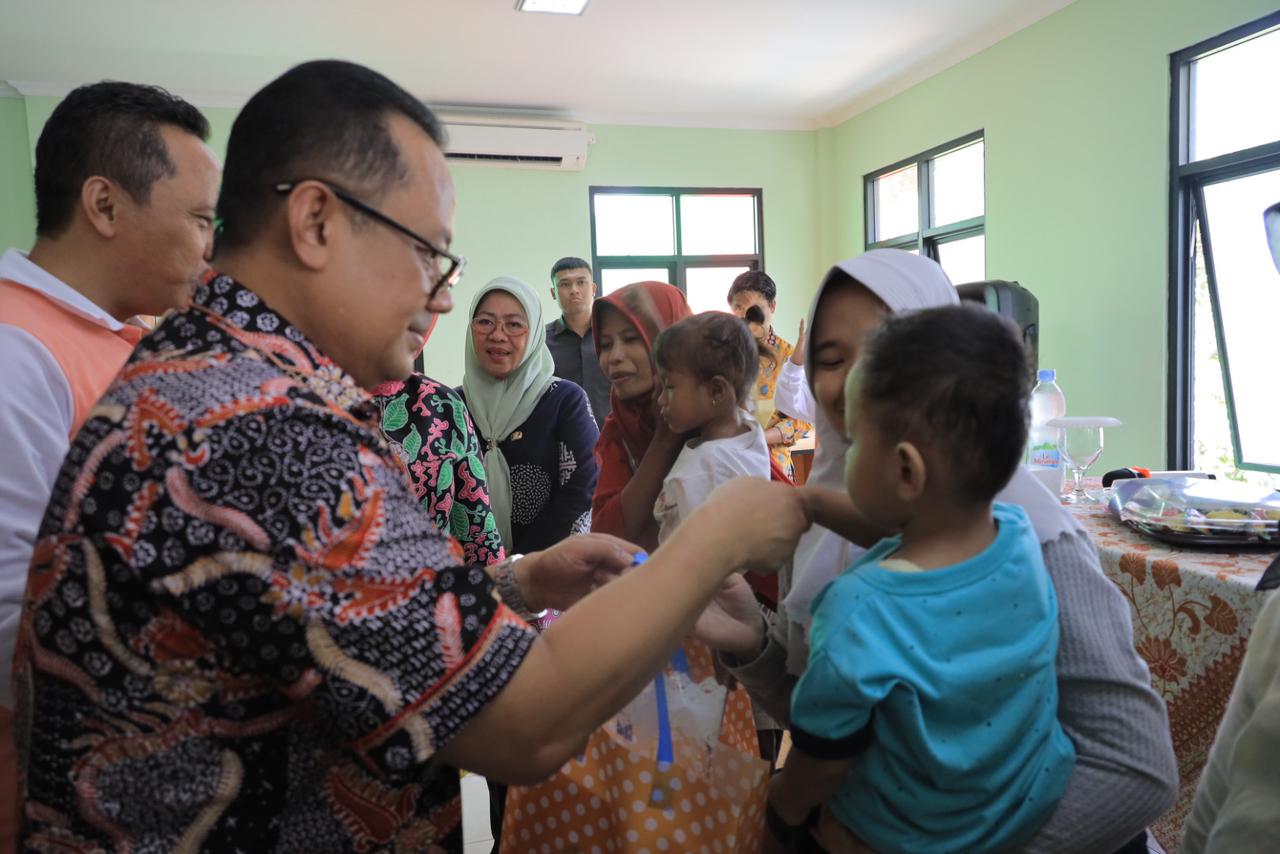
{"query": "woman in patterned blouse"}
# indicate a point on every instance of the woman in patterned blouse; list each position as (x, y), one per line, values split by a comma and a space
(431, 432)
(754, 289)
(536, 430)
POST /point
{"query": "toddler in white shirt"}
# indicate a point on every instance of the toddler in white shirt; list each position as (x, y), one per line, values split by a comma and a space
(707, 366)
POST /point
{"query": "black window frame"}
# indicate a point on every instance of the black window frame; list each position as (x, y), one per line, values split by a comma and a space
(1186, 207)
(926, 238)
(679, 263)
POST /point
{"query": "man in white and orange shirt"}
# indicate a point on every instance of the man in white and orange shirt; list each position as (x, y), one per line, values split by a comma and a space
(125, 195)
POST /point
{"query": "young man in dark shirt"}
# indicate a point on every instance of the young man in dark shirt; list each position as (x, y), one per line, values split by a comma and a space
(569, 337)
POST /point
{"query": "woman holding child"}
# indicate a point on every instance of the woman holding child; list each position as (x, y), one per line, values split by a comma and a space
(1124, 774)
(636, 448)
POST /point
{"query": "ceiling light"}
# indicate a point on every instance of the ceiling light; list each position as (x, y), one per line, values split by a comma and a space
(555, 7)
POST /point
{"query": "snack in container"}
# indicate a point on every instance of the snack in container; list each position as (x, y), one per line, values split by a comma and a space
(1195, 511)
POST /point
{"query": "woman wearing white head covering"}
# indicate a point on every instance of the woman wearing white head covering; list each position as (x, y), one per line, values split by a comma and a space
(1125, 775)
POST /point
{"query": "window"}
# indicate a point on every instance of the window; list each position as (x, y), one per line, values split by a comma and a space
(1224, 290)
(934, 204)
(697, 239)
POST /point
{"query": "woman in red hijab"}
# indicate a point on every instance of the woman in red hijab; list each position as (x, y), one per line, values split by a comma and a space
(636, 450)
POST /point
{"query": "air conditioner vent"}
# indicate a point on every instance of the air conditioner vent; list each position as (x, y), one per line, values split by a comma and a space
(505, 158)
(517, 142)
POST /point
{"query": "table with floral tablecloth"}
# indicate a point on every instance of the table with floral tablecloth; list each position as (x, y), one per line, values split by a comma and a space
(1193, 610)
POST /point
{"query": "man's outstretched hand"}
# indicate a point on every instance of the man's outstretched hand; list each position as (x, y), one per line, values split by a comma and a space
(563, 574)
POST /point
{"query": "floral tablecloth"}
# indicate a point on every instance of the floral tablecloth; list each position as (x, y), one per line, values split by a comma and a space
(1192, 613)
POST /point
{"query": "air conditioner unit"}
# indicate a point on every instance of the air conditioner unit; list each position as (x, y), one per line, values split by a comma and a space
(517, 142)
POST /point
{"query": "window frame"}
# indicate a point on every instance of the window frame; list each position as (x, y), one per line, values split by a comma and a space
(1187, 180)
(677, 263)
(926, 238)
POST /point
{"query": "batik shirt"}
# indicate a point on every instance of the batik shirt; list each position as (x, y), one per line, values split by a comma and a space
(241, 632)
(432, 434)
(791, 428)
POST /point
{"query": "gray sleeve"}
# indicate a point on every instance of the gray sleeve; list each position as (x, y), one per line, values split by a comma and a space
(765, 677)
(1126, 775)
(770, 677)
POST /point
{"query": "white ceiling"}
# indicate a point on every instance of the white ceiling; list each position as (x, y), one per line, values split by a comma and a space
(703, 63)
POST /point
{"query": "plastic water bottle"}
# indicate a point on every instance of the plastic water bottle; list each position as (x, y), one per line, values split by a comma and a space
(1044, 460)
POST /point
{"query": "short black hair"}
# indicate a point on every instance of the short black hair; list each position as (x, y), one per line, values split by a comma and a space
(754, 280)
(955, 379)
(110, 129)
(569, 263)
(322, 119)
(712, 344)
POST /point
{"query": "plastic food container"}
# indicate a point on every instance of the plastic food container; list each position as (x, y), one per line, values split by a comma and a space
(1195, 511)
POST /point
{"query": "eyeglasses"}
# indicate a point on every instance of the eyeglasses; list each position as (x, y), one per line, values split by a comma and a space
(486, 325)
(445, 278)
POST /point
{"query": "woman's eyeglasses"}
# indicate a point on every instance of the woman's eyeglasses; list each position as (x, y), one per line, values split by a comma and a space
(486, 325)
(447, 266)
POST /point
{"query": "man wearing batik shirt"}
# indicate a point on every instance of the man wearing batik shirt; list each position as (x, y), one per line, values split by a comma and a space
(240, 632)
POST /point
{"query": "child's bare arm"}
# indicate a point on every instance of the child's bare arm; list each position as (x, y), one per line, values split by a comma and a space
(834, 510)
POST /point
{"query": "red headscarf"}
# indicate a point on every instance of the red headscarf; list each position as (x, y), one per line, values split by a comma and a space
(650, 307)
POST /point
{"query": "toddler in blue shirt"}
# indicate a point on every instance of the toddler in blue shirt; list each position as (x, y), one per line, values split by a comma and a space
(926, 719)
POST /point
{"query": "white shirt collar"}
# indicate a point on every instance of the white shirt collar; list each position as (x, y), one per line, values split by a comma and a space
(17, 267)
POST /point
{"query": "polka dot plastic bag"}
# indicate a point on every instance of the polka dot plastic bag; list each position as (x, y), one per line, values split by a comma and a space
(678, 770)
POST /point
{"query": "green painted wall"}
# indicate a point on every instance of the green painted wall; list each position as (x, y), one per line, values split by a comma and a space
(39, 108)
(17, 196)
(1075, 110)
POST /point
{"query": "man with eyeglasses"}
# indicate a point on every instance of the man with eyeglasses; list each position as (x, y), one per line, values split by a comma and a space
(241, 632)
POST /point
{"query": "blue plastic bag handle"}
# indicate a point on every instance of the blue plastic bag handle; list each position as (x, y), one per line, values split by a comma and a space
(666, 752)
(680, 661)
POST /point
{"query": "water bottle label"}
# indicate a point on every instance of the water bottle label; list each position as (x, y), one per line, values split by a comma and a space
(1044, 455)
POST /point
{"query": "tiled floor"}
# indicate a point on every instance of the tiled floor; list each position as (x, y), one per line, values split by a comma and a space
(477, 838)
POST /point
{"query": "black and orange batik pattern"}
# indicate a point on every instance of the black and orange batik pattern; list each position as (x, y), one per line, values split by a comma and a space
(241, 632)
